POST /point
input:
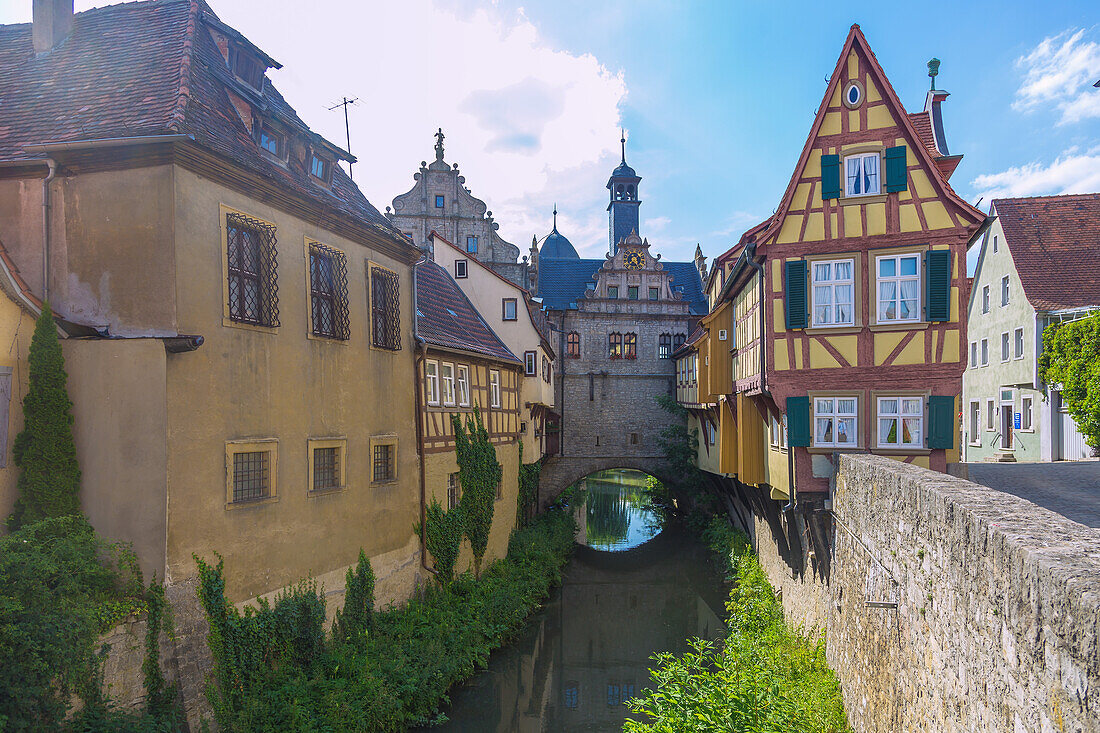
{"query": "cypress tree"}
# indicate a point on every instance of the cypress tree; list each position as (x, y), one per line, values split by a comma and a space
(49, 483)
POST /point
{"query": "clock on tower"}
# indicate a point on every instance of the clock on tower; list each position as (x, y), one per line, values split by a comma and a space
(633, 260)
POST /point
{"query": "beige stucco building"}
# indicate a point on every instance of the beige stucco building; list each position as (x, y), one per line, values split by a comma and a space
(246, 384)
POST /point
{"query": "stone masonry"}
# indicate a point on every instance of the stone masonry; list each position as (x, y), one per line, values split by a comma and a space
(997, 618)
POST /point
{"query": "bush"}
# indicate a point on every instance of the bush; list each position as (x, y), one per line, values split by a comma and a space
(49, 483)
(398, 673)
(354, 620)
(1071, 360)
(764, 678)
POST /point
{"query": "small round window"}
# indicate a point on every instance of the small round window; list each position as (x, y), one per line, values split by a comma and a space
(853, 94)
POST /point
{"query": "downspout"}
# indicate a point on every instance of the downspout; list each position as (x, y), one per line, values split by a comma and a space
(421, 350)
(52, 165)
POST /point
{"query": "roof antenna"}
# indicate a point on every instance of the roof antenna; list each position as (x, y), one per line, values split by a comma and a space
(933, 71)
(347, 128)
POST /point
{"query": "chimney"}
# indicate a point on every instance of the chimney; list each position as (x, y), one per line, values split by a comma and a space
(53, 22)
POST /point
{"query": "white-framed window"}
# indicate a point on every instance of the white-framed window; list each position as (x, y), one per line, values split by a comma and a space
(779, 431)
(990, 415)
(1004, 346)
(508, 309)
(1025, 413)
(1019, 353)
(447, 372)
(462, 385)
(985, 352)
(1004, 291)
(530, 363)
(833, 293)
(900, 422)
(431, 381)
(995, 245)
(861, 174)
(722, 334)
(975, 423)
(494, 388)
(460, 269)
(985, 299)
(835, 421)
(898, 288)
(973, 354)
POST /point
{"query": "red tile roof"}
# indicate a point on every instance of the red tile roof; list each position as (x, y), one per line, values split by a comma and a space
(922, 123)
(446, 317)
(151, 68)
(1055, 243)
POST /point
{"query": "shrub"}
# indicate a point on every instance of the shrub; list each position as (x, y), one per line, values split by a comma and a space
(354, 620)
(1071, 360)
(49, 483)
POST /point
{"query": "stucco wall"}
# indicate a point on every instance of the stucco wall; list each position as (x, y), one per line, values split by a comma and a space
(998, 605)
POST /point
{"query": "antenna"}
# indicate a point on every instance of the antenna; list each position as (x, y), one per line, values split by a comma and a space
(347, 128)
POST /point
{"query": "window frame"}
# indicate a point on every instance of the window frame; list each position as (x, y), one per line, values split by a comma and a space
(440, 201)
(1006, 347)
(975, 422)
(630, 345)
(664, 346)
(338, 299)
(462, 269)
(835, 414)
(985, 351)
(447, 384)
(614, 345)
(266, 276)
(990, 415)
(996, 247)
(462, 385)
(476, 244)
(1005, 291)
(504, 303)
(832, 285)
(1027, 414)
(392, 333)
(340, 444)
(494, 389)
(973, 354)
(862, 156)
(280, 152)
(898, 279)
(898, 417)
(431, 383)
(613, 292)
(326, 167)
(530, 363)
(262, 445)
(985, 299)
(654, 293)
(454, 490)
(632, 292)
(573, 339)
(1018, 346)
(378, 441)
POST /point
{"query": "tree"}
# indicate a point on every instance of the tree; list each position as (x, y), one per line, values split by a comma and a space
(49, 485)
(479, 474)
(1071, 360)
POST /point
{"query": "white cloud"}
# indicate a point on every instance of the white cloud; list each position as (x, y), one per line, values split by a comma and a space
(1071, 172)
(1059, 73)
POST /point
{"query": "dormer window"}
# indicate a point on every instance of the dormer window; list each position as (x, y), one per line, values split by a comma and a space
(320, 168)
(272, 142)
(246, 67)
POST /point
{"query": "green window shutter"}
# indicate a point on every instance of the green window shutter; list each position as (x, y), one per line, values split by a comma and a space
(830, 177)
(796, 310)
(941, 422)
(896, 178)
(938, 289)
(798, 422)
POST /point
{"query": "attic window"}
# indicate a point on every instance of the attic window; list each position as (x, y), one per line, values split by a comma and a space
(853, 94)
(272, 142)
(246, 67)
(320, 168)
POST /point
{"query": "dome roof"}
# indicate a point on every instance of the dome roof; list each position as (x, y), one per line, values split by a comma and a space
(623, 171)
(556, 245)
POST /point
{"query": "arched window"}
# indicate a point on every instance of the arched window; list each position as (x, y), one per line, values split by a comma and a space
(615, 346)
(573, 345)
(631, 351)
(664, 346)
(678, 341)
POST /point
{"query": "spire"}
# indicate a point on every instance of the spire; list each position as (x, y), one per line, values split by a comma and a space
(439, 145)
(622, 140)
(933, 71)
(555, 217)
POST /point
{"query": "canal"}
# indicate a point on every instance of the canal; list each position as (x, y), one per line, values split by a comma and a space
(629, 592)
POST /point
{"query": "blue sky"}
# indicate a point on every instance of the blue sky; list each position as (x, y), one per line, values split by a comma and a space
(716, 97)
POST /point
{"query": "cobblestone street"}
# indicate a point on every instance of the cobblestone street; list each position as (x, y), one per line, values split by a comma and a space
(1071, 488)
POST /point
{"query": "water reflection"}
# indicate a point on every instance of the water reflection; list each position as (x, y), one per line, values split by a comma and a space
(588, 650)
(615, 517)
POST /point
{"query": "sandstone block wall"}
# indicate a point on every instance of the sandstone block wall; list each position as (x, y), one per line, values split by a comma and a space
(997, 623)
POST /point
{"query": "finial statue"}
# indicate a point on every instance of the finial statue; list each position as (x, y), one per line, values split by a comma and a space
(439, 144)
(933, 71)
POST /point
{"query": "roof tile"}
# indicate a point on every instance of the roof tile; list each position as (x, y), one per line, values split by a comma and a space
(446, 317)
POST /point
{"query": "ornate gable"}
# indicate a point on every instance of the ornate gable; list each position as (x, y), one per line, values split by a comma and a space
(633, 273)
(861, 115)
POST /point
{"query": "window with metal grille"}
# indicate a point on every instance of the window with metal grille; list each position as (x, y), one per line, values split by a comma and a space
(454, 491)
(573, 345)
(664, 345)
(632, 292)
(250, 476)
(383, 462)
(253, 285)
(328, 292)
(326, 468)
(631, 346)
(385, 309)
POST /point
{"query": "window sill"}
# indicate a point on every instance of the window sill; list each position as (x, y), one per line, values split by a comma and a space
(236, 505)
(913, 451)
(330, 339)
(870, 198)
(387, 482)
(230, 323)
(900, 326)
(825, 450)
(826, 330)
(325, 492)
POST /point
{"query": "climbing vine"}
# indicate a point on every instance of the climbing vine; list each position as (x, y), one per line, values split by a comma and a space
(480, 474)
(1071, 359)
(443, 532)
(528, 490)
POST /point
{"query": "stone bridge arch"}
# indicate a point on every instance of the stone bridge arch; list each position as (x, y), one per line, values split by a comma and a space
(560, 472)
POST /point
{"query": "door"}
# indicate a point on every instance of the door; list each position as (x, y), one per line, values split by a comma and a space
(1073, 446)
(1008, 401)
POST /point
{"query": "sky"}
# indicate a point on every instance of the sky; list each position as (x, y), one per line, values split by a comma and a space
(716, 98)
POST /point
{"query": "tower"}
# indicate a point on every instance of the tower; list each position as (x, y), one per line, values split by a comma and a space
(623, 207)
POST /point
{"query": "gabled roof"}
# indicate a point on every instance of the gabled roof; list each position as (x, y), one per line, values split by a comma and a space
(689, 345)
(1055, 244)
(445, 317)
(563, 281)
(152, 68)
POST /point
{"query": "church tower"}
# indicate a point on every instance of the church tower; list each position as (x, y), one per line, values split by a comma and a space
(623, 208)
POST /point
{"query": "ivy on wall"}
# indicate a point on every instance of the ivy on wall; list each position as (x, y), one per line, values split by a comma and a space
(528, 490)
(480, 474)
(1071, 359)
(443, 532)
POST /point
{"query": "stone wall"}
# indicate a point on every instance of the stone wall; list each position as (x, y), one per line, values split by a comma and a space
(997, 622)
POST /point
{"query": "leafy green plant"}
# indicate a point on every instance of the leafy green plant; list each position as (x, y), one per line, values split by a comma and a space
(443, 533)
(49, 482)
(480, 474)
(353, 621)
(528, 490)
(1071, 360)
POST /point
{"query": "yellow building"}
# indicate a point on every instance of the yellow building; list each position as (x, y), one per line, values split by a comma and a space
(249, 380)
(463, 365)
